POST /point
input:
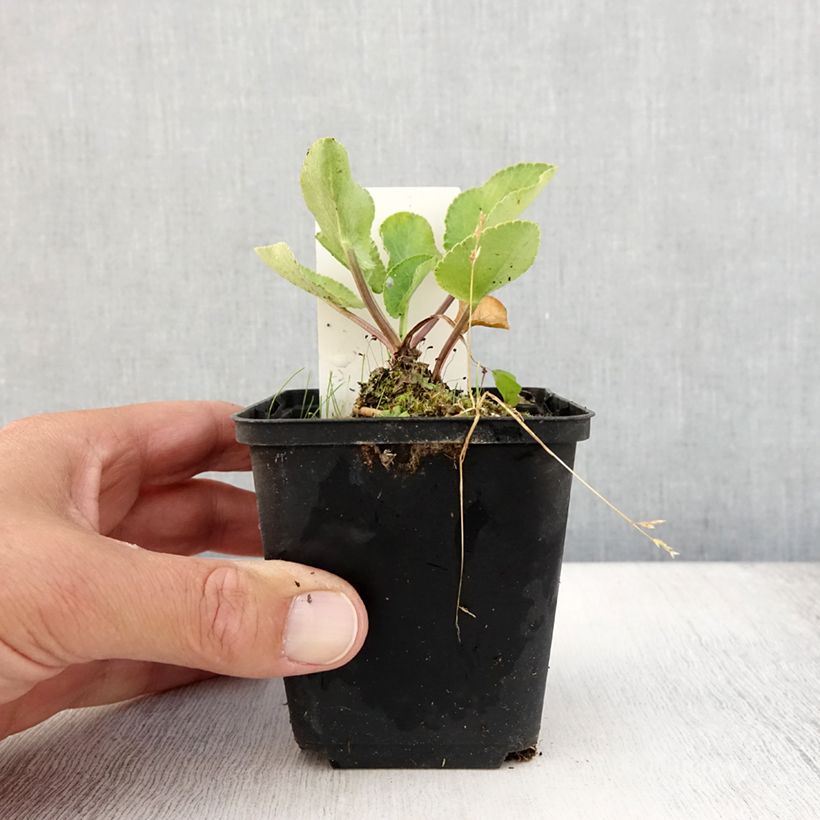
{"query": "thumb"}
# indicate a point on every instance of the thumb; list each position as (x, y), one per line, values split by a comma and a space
(244, 618)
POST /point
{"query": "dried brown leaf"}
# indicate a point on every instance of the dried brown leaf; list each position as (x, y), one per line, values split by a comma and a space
(490, 312)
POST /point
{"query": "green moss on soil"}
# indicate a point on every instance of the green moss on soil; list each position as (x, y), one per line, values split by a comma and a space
(407, 388)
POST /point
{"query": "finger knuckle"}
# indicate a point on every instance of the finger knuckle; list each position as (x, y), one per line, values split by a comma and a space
(228, 616)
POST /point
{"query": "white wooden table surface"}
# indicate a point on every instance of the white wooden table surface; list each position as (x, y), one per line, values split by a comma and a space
(676, 690)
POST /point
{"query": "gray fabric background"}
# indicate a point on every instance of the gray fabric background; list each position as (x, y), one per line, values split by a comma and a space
(145, 148)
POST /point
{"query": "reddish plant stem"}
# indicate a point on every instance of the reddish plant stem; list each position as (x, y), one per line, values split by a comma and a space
(391, 339)
(409, 343)
(430, 323)
(459, 327)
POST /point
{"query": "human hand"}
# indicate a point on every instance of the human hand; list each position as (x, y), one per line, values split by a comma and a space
(87, 618)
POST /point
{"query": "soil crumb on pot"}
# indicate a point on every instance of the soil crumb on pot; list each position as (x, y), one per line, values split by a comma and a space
(522, 756)
(407, 458)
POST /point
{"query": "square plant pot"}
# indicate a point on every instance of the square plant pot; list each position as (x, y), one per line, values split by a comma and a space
(376, 501)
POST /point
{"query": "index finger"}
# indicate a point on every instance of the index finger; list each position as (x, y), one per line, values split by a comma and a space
(165, 442)
(91, 460)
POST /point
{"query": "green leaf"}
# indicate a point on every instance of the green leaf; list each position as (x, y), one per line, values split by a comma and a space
(406, 234)
(411, 248)
(508, 386)
(517, 186)
(505, 252)
(377, 274)
(334, 250)
(402, 281)
(462, 217)
(282, 259)
(502, 198)
(342, 208)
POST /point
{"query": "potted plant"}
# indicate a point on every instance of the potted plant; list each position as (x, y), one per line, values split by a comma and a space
(439, 504)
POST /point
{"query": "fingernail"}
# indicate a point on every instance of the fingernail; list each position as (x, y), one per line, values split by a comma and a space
(320, 628)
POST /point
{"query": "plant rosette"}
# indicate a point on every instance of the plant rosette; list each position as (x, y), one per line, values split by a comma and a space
(445, 508)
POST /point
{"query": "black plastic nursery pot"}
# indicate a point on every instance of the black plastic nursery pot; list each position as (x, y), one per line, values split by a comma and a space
(376, 501)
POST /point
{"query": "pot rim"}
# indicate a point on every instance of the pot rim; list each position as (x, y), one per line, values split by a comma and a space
(571, 423)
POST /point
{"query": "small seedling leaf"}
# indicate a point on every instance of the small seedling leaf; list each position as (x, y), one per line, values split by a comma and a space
(281, 258)
(508, 387)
